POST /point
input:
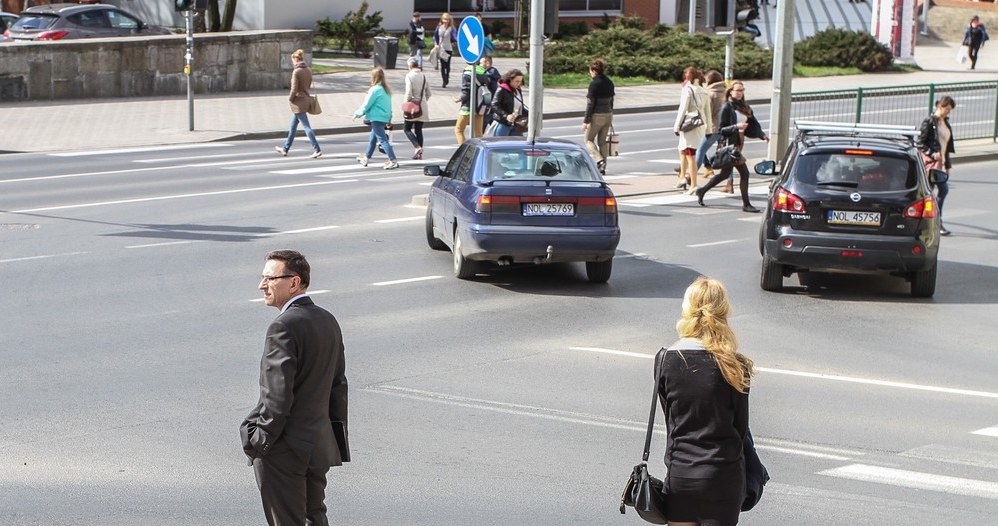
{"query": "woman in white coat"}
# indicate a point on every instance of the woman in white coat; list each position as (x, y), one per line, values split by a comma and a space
(417, 90)
(694, 100)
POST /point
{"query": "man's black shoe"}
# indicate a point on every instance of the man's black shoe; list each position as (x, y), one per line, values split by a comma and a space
(750, 209)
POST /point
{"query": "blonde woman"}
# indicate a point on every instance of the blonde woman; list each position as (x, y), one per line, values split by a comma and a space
(703, 388)
(694, 99)
(300, 101)
(378, 110)
(444, 38)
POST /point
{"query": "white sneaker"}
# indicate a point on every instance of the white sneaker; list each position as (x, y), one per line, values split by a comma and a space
(362, 160)
(391, 165)
(316, 155)
(281, 150)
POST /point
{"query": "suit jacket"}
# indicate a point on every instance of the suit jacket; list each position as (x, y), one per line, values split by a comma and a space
(303, 388)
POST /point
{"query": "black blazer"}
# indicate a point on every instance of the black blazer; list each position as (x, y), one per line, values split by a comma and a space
(729, 129)
(303, 388)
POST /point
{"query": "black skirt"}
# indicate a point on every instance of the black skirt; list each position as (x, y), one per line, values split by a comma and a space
(715, 501)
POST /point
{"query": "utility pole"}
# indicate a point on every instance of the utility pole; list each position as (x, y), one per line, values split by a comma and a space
(925, 18)
(536, 109)
(189, 66)
(693, 17)
(783, 72)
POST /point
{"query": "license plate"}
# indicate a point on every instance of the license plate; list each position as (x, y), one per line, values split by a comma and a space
(548, 209)
(852, 217)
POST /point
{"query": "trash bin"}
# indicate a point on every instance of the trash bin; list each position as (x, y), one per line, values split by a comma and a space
(386, 51)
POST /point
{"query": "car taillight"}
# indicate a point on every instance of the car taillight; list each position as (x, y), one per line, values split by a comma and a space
(52, 35)
(6, 33)
(787, 202)
(926, 208)
(497, 203)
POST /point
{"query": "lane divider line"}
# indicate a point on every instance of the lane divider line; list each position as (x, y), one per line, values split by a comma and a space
(823, 376)
(180, 196)
(987, 431)
(916, 480)
(400, 219)
(401, 281)
(140, 150)
(715, 243)
(575, 417)
(30, 258)
(166, 244)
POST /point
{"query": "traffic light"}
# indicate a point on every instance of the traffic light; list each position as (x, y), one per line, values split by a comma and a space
(746, 11)
(721, 14)
(190, 5)
(551, 17)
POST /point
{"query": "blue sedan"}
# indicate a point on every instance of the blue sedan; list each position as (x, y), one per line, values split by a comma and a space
(506, 200)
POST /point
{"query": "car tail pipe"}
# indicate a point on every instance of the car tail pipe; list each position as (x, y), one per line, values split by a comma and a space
(546, 259)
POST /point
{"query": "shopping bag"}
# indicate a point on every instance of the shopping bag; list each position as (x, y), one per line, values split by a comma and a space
(613, 142)
(963, 54)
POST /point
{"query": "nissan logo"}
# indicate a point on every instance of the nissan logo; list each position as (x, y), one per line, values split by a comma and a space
(855, 197)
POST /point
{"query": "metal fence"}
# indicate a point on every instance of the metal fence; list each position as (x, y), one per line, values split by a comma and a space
(975, 117)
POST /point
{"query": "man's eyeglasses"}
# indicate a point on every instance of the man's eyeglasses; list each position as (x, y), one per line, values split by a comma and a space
(268, 279)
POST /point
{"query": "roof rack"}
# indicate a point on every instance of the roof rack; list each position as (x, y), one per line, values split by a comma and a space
(904, 133)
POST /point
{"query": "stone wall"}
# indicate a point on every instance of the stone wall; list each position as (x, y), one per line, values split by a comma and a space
(148, 66)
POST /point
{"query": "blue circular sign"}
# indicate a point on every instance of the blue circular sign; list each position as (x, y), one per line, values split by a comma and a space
(471, 39)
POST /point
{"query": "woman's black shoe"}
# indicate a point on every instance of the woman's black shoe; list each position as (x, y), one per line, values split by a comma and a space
(944, 232)
(700, 193)
(601, 165)
(750, 209)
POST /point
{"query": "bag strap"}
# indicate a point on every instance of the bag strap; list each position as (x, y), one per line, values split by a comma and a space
(659, 358)
(422, 92)
(696, 103)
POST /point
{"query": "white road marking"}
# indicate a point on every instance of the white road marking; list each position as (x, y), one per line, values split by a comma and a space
(164, 244)
(399, 219)
(180, 196)
(612, 351)
(755, 218)
(139, 150)
(298, 231)
(590, 419)
(916, 480)
(639, 152)
(987, 431)
(954, 455)
(618, 177)
(401, 281)
(310, 293)
(715, 243)
(30, 258)
(204, 157)
(345, 168)
(881, 383)
(822, 376)
(636, 255)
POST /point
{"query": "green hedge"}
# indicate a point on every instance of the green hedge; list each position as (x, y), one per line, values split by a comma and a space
(841, 48)
(660, 53)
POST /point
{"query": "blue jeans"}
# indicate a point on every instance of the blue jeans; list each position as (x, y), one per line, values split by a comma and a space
(505, 130)
(942, 190)
(708, 140)
(378, 135)
(303, 119)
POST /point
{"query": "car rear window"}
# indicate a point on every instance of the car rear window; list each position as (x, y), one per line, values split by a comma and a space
(29, 22)
(539, 164)
(860, 171)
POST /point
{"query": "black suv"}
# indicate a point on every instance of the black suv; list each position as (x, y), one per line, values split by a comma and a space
(852, 198)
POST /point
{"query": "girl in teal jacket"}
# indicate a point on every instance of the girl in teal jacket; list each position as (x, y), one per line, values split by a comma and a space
(378, 110)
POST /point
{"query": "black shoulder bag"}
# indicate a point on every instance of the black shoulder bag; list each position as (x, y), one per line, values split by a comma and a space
(643, 492)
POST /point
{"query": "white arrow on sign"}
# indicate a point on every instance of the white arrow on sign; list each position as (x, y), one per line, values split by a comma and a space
(472, 40)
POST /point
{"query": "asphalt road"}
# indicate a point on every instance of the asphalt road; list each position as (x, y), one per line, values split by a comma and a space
(133, 331)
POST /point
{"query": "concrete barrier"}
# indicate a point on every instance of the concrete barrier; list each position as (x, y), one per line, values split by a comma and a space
(150, 66)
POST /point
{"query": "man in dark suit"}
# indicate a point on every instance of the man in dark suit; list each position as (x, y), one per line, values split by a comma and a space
(298, 430)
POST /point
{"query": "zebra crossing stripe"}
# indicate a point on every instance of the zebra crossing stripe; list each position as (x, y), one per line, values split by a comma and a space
(987, 431)
(916, 480)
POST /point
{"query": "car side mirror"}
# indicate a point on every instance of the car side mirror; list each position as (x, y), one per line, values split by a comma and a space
(938, 176)
(766, 168)
(432, 170)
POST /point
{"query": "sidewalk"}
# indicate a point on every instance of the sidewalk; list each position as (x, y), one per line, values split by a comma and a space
(114, 123)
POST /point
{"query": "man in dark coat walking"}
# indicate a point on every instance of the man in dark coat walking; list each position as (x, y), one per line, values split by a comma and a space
(298, 430)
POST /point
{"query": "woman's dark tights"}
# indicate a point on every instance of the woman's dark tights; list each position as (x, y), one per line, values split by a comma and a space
(415, 137)
(743, 175)
(445, 70)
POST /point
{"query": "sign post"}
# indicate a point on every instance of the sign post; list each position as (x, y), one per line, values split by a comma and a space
(470, 43)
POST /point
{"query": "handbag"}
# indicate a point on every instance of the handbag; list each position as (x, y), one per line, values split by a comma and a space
(725, 157)
(413, 109)
(930, 163)
(315, 108)
(520, 124)
(756, 475)
(643, 492)
(692, 119)
(613, 142)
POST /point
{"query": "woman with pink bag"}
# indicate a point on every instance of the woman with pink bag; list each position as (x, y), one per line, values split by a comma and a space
(935, 142)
